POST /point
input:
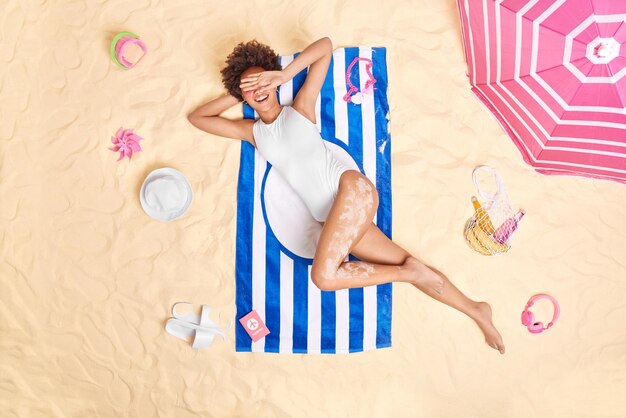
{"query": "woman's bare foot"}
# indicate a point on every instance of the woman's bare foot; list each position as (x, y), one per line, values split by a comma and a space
(421, 275)
(482, 316)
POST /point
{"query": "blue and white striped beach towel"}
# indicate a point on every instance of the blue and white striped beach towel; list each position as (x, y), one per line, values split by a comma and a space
(274, 280)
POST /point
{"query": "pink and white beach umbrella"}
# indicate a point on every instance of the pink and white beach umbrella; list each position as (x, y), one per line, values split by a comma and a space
(554, 74)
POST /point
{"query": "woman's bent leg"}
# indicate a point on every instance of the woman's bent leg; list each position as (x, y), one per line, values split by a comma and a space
(349, 219)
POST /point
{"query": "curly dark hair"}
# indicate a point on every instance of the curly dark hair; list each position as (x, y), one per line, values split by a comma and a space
(244, 56)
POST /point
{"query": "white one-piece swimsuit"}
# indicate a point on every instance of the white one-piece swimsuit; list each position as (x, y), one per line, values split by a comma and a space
(294, 147)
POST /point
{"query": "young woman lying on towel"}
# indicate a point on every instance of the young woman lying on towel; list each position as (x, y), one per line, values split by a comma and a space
(342, 199)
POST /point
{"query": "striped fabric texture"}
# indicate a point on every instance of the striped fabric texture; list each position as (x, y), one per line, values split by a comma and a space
(274, 281)
(553, 73)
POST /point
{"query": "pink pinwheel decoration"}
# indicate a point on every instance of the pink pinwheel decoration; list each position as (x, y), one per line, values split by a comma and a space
(126, 142)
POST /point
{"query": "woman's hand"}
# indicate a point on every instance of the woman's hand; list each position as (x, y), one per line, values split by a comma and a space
(263, 81)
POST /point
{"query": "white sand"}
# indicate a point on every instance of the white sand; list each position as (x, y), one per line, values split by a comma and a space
(87, 279)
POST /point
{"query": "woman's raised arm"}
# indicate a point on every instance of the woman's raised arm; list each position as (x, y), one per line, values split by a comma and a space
(206, 118)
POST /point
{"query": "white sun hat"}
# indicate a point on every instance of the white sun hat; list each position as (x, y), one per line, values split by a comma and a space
(165, 194)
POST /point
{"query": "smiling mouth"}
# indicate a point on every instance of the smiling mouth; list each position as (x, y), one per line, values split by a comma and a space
(262, 99)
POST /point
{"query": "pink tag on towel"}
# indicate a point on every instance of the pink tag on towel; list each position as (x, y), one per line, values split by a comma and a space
(254, 326)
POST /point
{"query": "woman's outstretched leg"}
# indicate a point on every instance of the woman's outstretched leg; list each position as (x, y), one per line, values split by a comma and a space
(376, 247)
(349, 219)
(349, 229)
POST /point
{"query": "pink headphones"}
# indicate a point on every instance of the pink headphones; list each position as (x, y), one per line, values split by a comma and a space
(528, 318)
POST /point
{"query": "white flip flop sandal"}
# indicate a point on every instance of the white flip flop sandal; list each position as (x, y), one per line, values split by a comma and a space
(197, 330)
